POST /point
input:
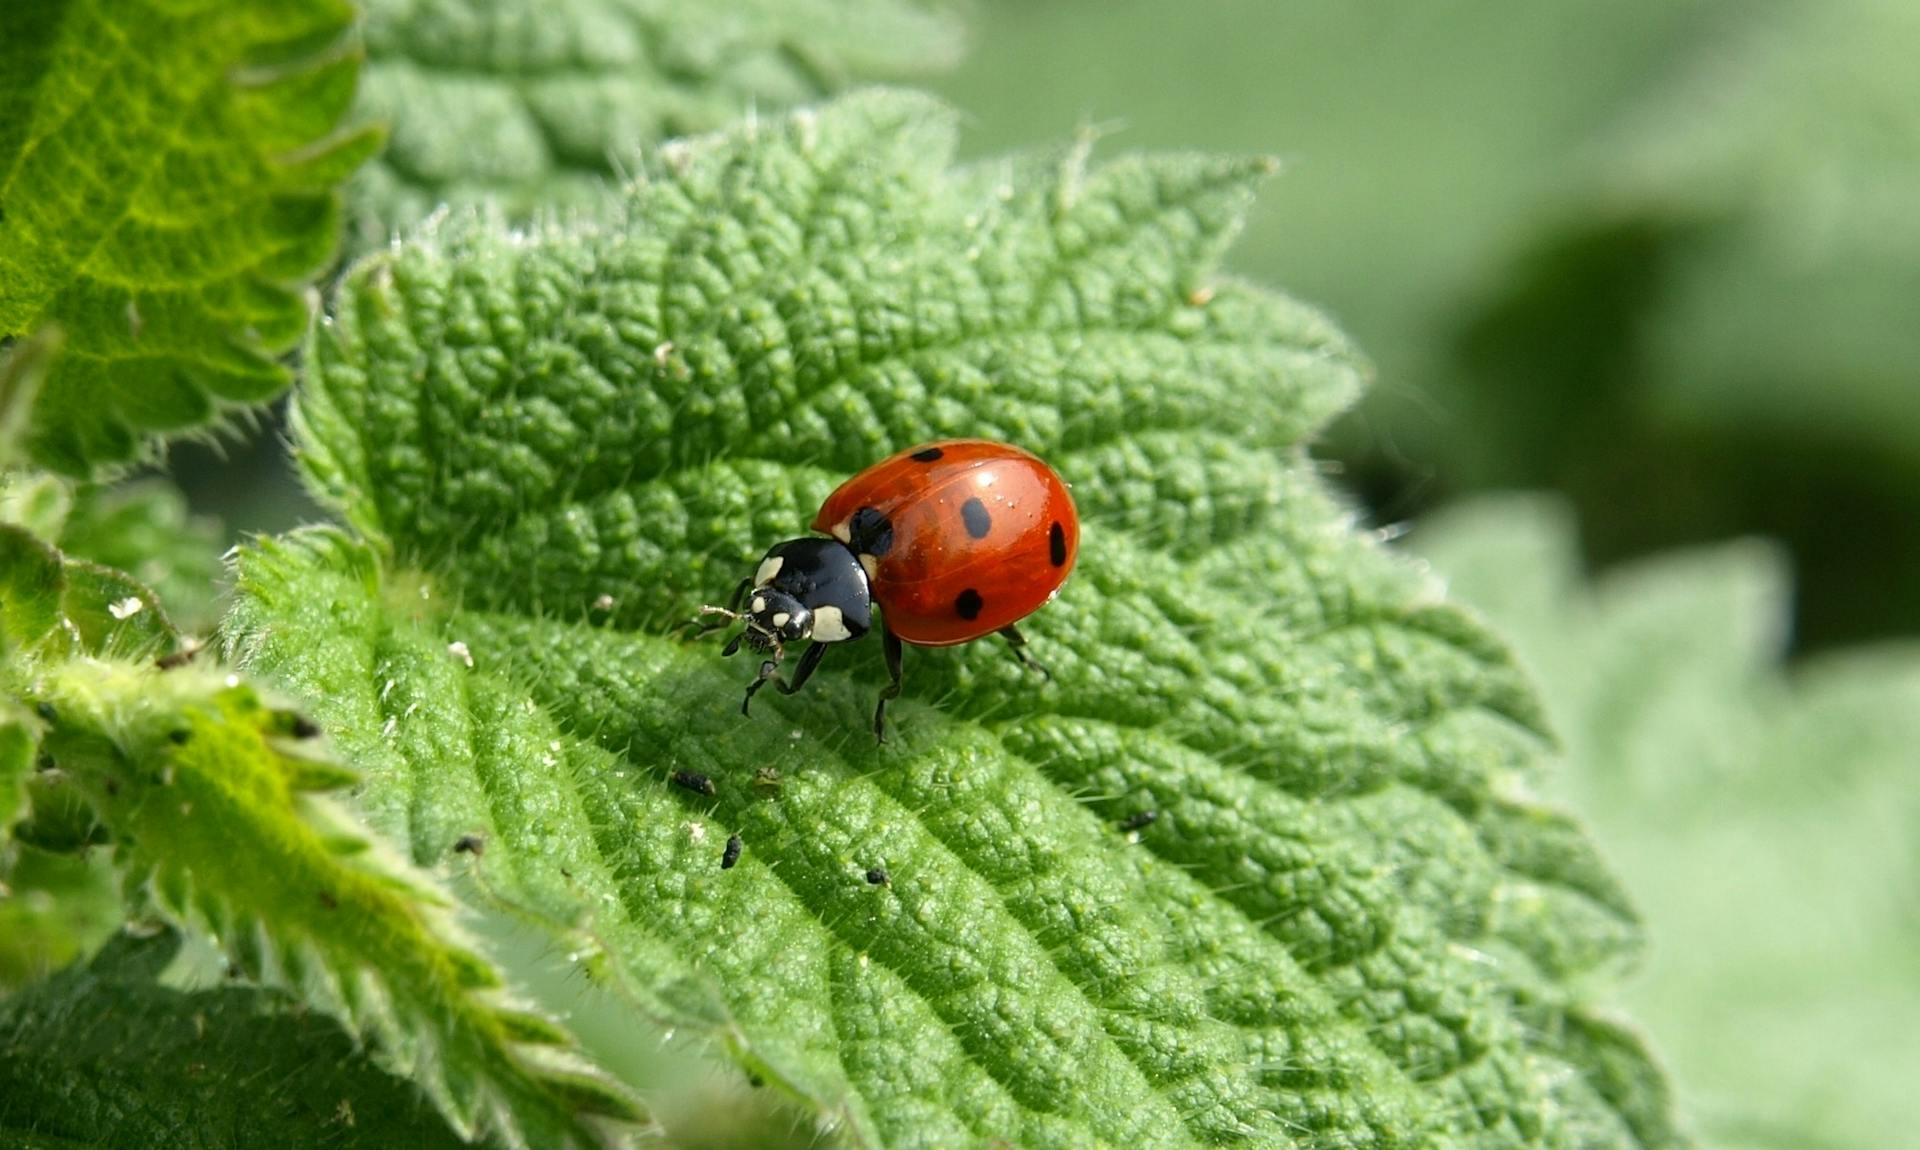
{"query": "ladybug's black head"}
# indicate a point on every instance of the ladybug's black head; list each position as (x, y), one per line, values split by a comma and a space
(775, 617)
(804, 589)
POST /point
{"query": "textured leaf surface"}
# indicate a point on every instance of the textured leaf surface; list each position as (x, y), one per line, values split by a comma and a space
(1349, 925)
(186, 770)
(530, 103)
(1765, 817)
(105, 1056)
(167, 175)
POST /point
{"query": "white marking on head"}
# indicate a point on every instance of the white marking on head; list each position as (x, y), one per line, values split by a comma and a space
(780, 618)
(843, 531)
(872, 565)
(829, 625)
(769, 567)
(759, 603)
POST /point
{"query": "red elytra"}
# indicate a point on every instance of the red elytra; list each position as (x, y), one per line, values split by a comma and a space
(980, 535)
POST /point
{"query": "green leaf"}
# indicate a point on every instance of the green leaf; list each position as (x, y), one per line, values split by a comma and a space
(185, 768)
(1350, 925)
(31, 584)
(146, 529)
(143, 527)
(23, 370)
(107, 1056)
(19, 745)
(531, 104)
(54, 908)
(167, 176)
(59, 606)
(1763, 814)
(189, 769)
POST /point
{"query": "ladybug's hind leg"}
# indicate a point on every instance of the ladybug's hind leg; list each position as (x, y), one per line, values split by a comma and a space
(1019, 644)
(769, 673)
(890, 648)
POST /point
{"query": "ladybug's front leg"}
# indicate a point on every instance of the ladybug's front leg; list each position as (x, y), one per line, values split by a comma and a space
(769, 673)
(890, 648)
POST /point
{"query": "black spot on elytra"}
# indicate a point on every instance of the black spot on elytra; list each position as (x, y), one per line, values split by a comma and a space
(969, 603)
(870, 532)
(928, 454)
(1057, 544)
(974, 514)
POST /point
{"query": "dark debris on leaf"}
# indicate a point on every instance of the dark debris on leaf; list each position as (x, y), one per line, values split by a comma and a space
(693, 781)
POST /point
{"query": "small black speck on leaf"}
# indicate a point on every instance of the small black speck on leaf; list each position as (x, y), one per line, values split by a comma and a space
(180, 737)
(305, 728)
(474, 845)
(878, 876)
(694, 781)
(46, 711)
(732, 854)
(1138, 819)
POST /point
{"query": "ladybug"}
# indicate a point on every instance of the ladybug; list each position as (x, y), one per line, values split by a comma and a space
(952, 540)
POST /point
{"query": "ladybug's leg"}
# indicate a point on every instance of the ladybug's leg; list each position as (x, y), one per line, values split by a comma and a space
(1019, 644)
(769, 673)
(890, 648)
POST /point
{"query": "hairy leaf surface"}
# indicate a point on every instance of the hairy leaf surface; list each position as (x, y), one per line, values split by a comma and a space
(531, 103)
(213, 802)
(106, 1056)
(167, 176)
(1349, 924)
(1765, 817)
